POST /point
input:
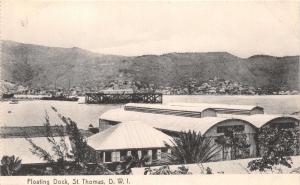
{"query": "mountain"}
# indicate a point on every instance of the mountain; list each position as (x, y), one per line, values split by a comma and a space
(41, 66)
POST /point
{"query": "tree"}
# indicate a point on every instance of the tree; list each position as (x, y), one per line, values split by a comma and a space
(190, 147)
(93, 129)
(61, 156)
(65, 160)
(10, 165)
(165, 170)
(276, 145)
(80, 148)
(234, 140)
(132, 161)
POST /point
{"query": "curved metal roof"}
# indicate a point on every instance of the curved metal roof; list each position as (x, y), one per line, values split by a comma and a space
(258, 120)
(217, 106)
(166, 122)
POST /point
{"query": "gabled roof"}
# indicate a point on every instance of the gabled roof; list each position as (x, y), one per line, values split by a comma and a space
(128, 135)
(258, 120)
(217, 106)
(166, 122)
(20, 147)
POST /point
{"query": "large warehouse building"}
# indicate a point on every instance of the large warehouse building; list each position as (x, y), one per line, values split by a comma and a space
(172, 125)
(208, 119)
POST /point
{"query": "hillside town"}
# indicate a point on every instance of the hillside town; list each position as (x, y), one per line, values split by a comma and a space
(213, 86)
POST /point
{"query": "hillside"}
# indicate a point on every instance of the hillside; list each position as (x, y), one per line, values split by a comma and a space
(41, 66)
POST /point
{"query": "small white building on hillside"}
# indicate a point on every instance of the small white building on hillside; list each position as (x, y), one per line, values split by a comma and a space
(125, 139)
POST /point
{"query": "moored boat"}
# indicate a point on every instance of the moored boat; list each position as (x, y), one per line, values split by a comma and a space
(61, 98)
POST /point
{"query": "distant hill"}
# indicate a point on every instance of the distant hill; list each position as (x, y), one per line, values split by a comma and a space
(41, 66)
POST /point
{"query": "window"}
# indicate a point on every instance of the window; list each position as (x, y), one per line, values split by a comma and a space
(99, 156)
(144, 153)
(123, 155)
(107, 156)
(154, 154)
(236, 128)
(134, 153)
(115, 157)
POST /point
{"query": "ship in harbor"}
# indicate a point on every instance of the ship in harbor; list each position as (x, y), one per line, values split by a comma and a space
(61, 98)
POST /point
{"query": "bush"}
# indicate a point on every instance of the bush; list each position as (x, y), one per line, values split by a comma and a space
(277, 145)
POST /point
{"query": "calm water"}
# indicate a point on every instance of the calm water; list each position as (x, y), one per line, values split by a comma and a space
(27, 112)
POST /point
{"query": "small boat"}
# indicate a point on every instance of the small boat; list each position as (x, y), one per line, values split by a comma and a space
(7, 95)
(61, 98)
(14, 102)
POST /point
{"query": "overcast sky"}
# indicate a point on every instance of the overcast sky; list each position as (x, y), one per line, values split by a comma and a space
(241, 28)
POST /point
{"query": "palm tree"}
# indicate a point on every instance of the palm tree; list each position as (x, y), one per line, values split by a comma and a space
(190, 147)
(10, 165)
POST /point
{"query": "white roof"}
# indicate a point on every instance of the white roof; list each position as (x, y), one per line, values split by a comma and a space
(23, 114)
(128, 135)
(167, 122)
(227, 167)
(168, 107)
(216, 106)
(20, 147)
(258, 120)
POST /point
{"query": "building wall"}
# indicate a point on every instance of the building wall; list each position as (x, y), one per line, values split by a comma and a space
(209, 113)
(249, 130)
(257, 111)
(105, 124)
(112, 156)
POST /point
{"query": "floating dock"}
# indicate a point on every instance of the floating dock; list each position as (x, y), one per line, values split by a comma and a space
(119, 98)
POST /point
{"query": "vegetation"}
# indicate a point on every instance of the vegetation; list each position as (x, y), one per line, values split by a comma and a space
(165, 170)
(276, 145)
(66, 159)
(61, 151)
(190, 147)
(93, 129)
(234, 141)
(10, 165)
(130, 162)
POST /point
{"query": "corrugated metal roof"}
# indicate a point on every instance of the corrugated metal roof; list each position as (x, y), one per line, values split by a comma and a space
(128, 135)
(20, 147)
(216, 106)
(169, 107)
(167, 122)
(258, 120)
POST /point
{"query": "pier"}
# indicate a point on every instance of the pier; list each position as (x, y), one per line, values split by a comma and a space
(116, 98)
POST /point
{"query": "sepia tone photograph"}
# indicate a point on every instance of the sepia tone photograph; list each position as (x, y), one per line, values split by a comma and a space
(148, 88)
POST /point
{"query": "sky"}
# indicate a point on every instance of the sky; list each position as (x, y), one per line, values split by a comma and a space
(138, 28)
